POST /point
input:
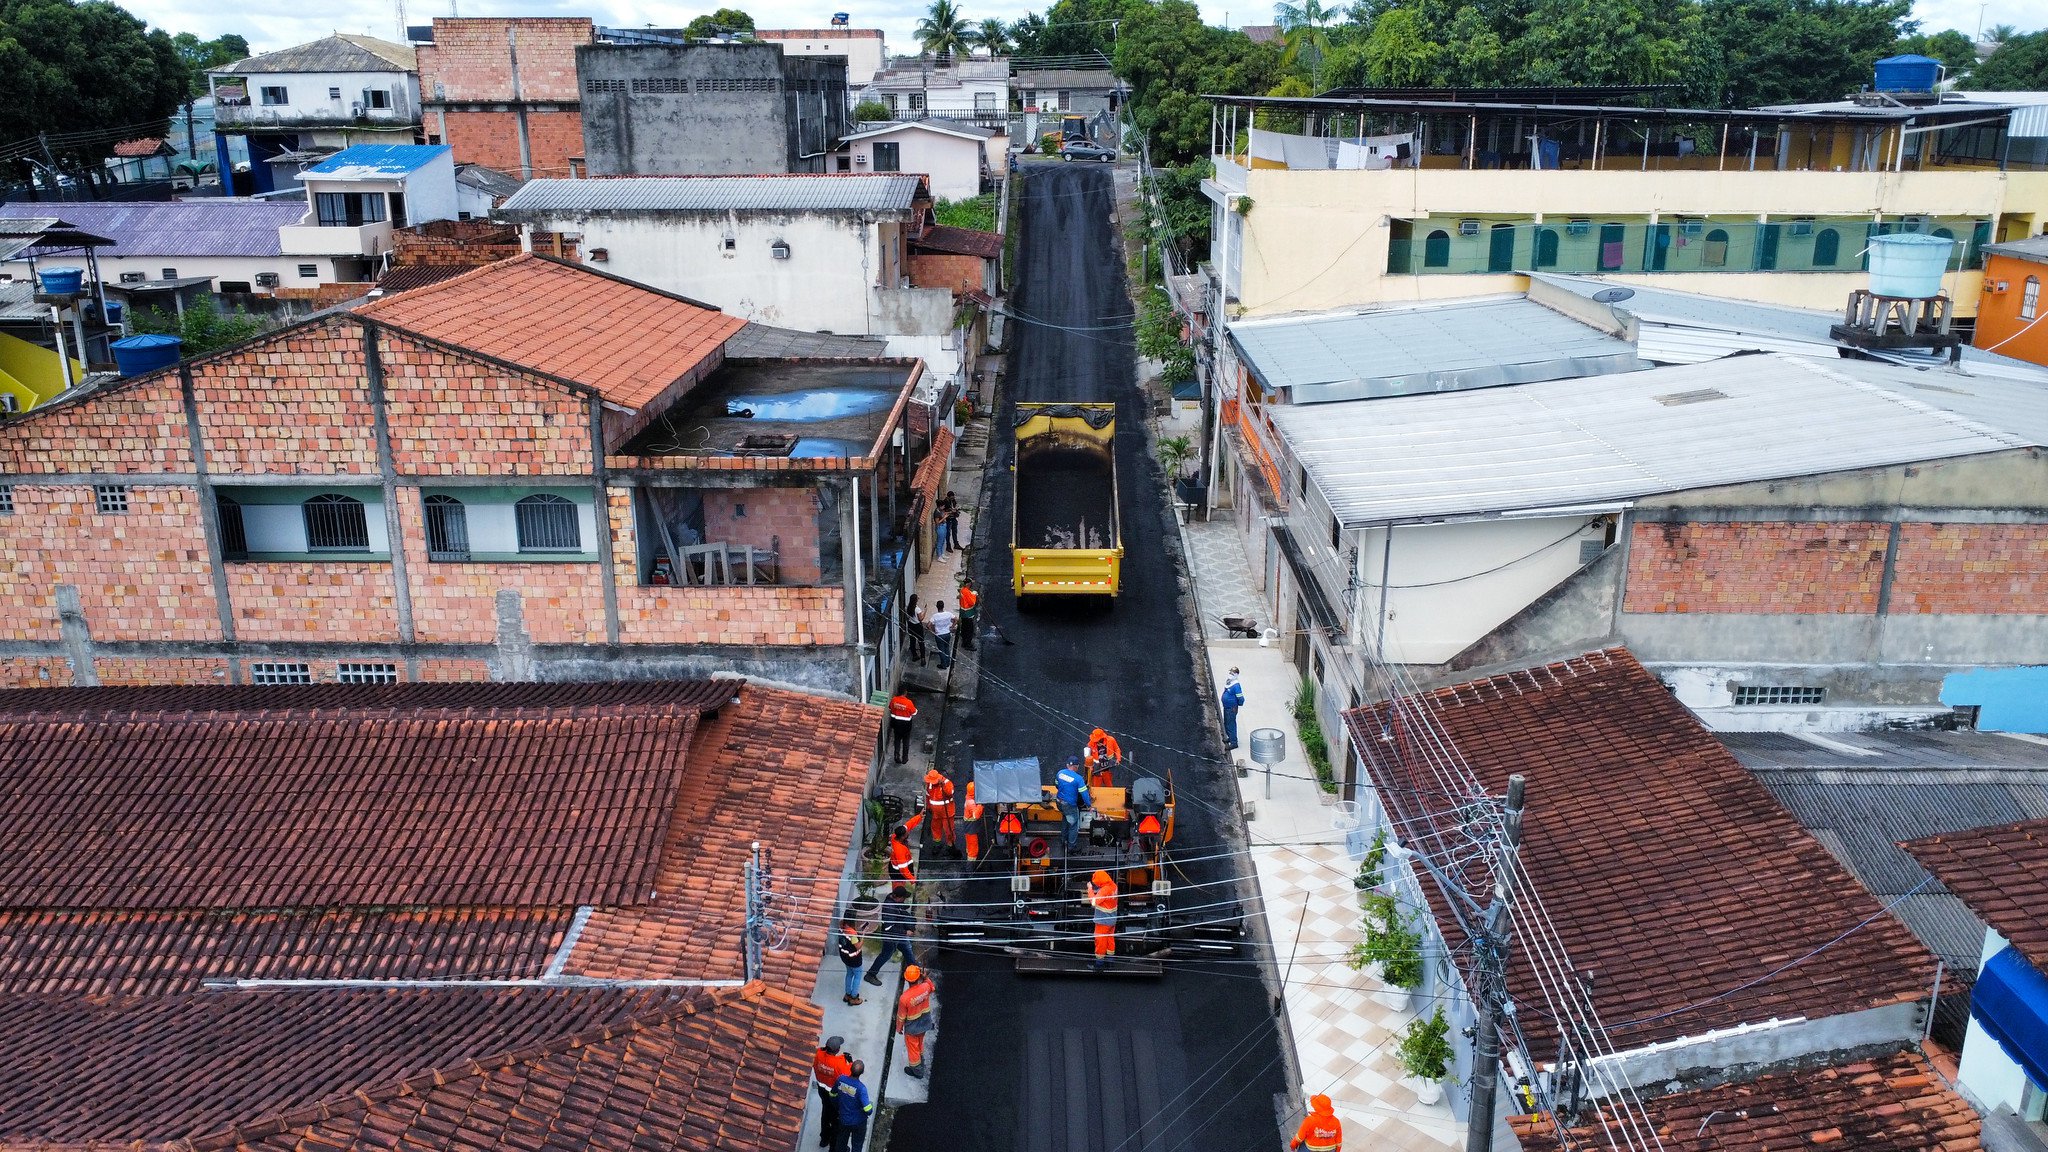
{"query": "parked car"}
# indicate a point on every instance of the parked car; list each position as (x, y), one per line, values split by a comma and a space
(1085, 150)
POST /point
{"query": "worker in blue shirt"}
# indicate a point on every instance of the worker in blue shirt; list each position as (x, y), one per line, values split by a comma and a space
(1074, 798)
(854, 1110)
(1232, 699)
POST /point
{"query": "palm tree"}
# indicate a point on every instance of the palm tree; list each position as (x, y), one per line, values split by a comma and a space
(944, 31)
(993, 35)
(1302, 26)
(1998, 34)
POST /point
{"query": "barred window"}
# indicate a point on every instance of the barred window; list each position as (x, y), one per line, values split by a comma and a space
(447, 529)
(280, 673)
(1779, 694)
(547, 523)
(336, 523)
(6, 499)
(110, 498)
(234, 538)
(367, 673)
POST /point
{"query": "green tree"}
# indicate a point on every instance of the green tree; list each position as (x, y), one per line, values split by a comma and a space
(1183, 211)
(1399, 53)
(203, 327)
(2019, 65)
(1071, 28)
(1998, 34)
(1304, 27)
(993, 35)
(1170, 58)
(1758, 52)
(203, 56)
(1609, 42)
(88, 74)
(943, 31)
(1956, 51)
(870, 109)
(724, 21)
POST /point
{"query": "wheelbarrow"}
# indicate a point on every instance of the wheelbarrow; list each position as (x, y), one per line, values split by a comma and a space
(1241, 627)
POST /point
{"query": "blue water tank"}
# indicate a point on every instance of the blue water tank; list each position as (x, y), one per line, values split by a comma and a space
(1908, 74)
(114, 311)
(61, 281)
(134, 355)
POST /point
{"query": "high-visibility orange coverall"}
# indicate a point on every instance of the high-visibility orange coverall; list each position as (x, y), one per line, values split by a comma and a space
(1102, 898)
(938, 805)
(914, 1016)
(1322, 1131)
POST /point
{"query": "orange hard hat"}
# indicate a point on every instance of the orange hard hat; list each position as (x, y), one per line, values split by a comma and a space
(1319, 1104)
(1101, 877)
(913, 973)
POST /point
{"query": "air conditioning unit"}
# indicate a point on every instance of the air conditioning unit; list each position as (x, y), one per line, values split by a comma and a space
(134, 277)
(1578, 227)
(1691, 227)
(266, 280)
(1800, 228)
(1468, 227)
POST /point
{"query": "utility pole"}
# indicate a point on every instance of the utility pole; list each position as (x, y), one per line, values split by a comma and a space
(1490, 974)
(751, 946)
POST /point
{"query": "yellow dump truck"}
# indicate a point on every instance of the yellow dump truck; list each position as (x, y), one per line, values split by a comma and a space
(1065, 539)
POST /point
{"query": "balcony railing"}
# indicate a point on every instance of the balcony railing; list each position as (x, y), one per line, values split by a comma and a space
(400, 114)
(1595, 244)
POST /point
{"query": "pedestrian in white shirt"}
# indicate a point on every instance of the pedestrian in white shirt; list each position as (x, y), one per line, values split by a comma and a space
(942, 634)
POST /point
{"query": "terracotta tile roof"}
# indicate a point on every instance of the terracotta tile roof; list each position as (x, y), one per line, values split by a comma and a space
(2002, 874)
(960, 241)
(628, 342)
(322, 808)
(484, 700)
(163, 952)
(141, 149)
(1888, 1104)
(784, 768)
(1668, 870)
(419, 276)
(931, 472)
(690, 1069)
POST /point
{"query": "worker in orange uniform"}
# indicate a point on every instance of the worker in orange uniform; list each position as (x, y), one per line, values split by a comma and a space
(902, 712)
(914, 1017)
(970, 613)
(827, 1066)
(1322, 1131)
(1102, 754)
(1101, 896)
(938, 806)
(970, 823)
(901, 874)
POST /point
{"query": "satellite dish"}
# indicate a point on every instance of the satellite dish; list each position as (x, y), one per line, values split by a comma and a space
(1613, 295)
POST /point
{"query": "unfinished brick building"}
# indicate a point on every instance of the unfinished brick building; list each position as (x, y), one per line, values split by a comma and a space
(502, 92)
(528, 471)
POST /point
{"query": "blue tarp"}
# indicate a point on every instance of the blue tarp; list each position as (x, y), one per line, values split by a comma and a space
(2011, 1002)
(1008, 781)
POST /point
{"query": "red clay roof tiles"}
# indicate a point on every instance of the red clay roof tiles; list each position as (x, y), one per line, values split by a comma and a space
(1667, 869)
(960, 241)
(624, 340)
(2001, 872)
(1888, 1104)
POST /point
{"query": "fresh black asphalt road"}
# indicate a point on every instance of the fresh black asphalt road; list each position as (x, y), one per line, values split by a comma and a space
(1188, 1062)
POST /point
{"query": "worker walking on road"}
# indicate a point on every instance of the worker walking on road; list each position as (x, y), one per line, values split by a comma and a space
(901, 874)
(914, 1018)
(1232, 699)
(852, 1108)
(899, 923)
(970, 824)
(970, 612)
(902, 713)
(1102, 755)
(1072, 790)
(1322, 1131)
(938, 806)
(826, 1069)
(1102, 898)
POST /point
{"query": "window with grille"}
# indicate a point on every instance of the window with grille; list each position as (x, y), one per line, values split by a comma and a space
(347, 209)
(336, 523)
(367, 673)
(888, 157)
(273, 96)
(6, 499)
(547, 523)
(2030, 297)
(234, 538)
(110, 498)
(447, 529)
(280, 673)
(309, 271)
(1779, 694)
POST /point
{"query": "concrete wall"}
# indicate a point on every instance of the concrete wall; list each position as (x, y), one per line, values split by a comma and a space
(1731, 1055)
(1448, 585)
(308, 99)
(953, 164)
(862, 48)
(709, 109)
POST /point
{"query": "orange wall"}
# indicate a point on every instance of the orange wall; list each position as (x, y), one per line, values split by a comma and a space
(1998, 317)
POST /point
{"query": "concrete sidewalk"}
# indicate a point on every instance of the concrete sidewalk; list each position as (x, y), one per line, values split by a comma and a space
(1344, 1036)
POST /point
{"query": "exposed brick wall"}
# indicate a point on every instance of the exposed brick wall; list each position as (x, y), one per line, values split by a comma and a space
(296, 404)
(314, 600)
(552, 138)
(487, 138)
(1778, 568)
(453, 670)
(732, 615)
(561, 603)
(947, 270)
(1971, 569)
(471, 59)
(129, 670)
(451, 416)
(35, 672)
(453, 243)
(325, 295)
(137, 427)
(140, 575)
(784, 517)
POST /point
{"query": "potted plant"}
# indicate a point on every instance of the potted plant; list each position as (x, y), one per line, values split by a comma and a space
(1391, 951)
(1368, 878)
(1425, 1054)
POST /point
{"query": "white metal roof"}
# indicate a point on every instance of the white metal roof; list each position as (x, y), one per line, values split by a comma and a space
(826, 193)
(1606, 439)
(929, 124)
(1355, 355)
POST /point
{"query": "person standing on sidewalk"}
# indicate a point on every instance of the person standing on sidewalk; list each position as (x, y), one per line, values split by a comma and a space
(826, 1069)
(970, 611)
(913, 630)
(942, 634)
(1232, 699)
(853, 1108)
(1321, 1131)
(914, 1018)
(899, 921)
(942, 518)
(852, 953)
(902, 714)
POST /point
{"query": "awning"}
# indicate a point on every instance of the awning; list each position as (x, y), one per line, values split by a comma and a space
(2011, 1002)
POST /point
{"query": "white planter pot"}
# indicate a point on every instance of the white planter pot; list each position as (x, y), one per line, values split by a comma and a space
(1427, 1091)
(1400, 999)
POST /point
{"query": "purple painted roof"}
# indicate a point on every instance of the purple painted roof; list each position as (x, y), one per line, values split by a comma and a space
(179, 228)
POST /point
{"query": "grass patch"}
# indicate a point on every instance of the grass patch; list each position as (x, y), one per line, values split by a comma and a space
(978, 213)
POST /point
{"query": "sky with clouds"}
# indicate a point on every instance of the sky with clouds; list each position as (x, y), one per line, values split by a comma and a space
(268, 27)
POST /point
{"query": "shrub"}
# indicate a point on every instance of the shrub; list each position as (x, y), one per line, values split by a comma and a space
(1375, 858)
(1425, 1050)
(1313, 743)
(1389, 942)
(977, 212)
(203, 327)
(870, 110)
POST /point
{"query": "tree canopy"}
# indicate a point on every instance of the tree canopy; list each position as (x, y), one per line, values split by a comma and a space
(944, 32)
(85, 76)
(203, 56)
(725, 21)
(1170, 58)
(2020, 64)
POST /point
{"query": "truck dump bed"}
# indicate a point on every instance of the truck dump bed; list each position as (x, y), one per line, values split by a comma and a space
(1064, 533)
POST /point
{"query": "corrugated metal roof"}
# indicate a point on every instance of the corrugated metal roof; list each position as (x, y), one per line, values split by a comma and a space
(930, 123)
(1429, 348)
(2032, 248)
(378, 161)
(188, 227)
(337, 53)
(1568, 443)
(827, 193)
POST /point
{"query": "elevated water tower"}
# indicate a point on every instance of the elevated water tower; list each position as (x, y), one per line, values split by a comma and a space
(1904, 306)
